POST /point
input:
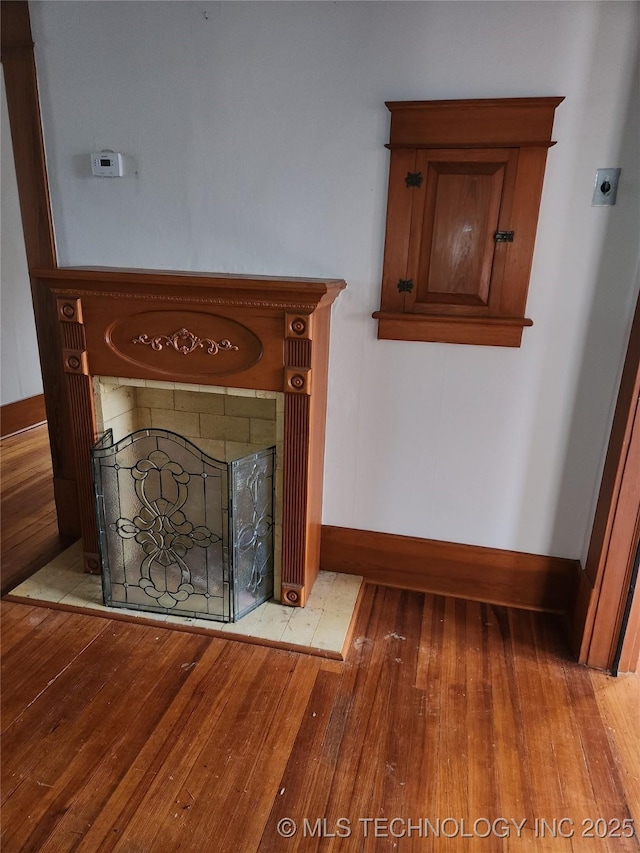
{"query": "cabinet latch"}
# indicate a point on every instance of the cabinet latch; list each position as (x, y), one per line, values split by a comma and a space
(503, 236)
(413, 179)
(405, 285)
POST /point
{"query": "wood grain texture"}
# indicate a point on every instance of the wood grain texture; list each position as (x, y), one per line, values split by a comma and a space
(481, 574)
(400, 200)
(84, 430)
(26, 133)
(621, 556)
(23, 104)
(21, 415)
(478, 170)
(317, 434)
(129, 737)
(488, 331)
(118, 736)
(114, 327)
(629, 654)
(467, 197)
(149, 325)
(294, 503)
(160, 285)
(30, 536)
(482, 121)
(616, 531)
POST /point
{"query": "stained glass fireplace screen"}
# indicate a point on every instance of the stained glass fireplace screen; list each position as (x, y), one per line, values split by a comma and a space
(182, 533)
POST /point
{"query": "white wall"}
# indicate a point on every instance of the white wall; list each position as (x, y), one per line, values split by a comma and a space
(19, 348)
(254, 138)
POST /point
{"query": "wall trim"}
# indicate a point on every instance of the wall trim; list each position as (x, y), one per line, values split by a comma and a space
(597, 620)
(491, 575)
(23, 104)
(21, 415)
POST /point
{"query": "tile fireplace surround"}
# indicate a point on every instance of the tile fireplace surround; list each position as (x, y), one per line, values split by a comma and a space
(259, 338)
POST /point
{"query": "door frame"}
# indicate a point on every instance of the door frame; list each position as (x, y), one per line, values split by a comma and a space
(606, 623)
(25, 124)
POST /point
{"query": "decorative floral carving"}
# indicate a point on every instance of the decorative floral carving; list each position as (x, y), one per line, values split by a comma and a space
(184, 342)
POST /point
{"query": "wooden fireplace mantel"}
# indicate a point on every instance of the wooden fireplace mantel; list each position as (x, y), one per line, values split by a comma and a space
(239, 331)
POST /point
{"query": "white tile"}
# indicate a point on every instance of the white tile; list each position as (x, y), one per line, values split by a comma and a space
(87, 593)
(71, 558)
(272, 621)
(212, 389)
(117, 401)
(181, 620)
(331, 632)
(241, 392)
(122, 425)
(157, 383)
(322, 624)
(136, 614)
(47, 587)
(302, 625)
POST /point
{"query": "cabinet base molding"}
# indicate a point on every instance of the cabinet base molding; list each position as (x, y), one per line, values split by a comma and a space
(21, 415)
(488, 331)
(491, 575)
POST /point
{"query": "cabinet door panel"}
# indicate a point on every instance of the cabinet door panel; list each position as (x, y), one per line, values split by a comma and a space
(465, 200)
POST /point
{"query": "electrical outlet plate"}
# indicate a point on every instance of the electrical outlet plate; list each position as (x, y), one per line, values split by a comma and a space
(605, 188)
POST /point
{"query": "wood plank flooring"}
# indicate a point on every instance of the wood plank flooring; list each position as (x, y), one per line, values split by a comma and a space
(29, 531)
(449, 721)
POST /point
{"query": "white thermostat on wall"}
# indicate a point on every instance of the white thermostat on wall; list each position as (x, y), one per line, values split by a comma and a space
(106, 164)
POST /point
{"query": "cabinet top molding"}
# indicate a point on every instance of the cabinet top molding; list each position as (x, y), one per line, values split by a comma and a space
(477, 122)
(182, 285)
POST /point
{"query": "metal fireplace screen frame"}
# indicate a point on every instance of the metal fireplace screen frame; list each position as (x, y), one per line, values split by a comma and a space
(180, 532)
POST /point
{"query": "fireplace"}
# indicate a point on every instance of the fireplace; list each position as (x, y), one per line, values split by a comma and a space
(225, 423)
(182, 533)
(212, 336)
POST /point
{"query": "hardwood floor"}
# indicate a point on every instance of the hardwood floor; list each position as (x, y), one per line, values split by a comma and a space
(29, 532)
(447, 715)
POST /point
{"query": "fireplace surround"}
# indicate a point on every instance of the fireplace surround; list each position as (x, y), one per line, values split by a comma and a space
(190, 331)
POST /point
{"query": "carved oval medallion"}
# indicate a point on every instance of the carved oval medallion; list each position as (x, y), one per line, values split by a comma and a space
(184, 343)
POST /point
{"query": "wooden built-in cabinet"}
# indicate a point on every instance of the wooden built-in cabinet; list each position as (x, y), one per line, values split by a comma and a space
(465, 184)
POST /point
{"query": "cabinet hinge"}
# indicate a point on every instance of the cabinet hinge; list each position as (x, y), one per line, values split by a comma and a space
(405, 285)
(413, 179)
(503, 236)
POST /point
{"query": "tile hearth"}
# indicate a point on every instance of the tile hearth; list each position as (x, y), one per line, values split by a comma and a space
(323, 627)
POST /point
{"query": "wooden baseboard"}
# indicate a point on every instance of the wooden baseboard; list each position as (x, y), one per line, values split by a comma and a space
(15, 417)
(475, 573)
